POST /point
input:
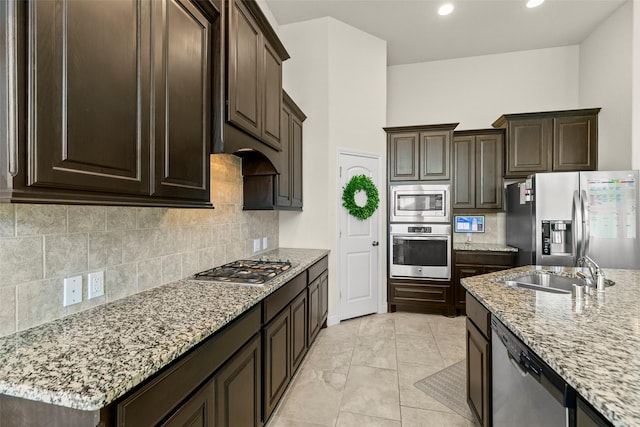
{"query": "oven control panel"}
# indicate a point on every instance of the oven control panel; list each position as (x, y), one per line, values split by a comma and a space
(423, 230)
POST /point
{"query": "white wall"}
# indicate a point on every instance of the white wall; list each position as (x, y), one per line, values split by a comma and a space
(605, 81)
(475, 91)
(337, 75)
(636, 86)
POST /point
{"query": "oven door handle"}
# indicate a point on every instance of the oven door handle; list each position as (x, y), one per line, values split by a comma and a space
(423, 237)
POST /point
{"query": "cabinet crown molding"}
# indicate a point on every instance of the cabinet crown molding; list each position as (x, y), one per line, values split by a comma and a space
(501, 121)
(445, 126)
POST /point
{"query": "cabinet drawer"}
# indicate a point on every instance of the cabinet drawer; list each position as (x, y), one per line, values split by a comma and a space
(485, 258)
(278, 300)
(419, 293)
(479, 315)
(316, 269)
(151, 403)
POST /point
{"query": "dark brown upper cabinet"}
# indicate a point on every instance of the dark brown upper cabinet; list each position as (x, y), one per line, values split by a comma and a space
(419, 153)
(550, 141)
(102, 106)
(477, 169)
(289, 182)
(254, 90)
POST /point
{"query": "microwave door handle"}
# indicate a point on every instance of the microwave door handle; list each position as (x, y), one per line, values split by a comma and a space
(586, 229)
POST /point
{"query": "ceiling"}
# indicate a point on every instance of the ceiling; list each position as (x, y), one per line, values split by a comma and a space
(416, 33)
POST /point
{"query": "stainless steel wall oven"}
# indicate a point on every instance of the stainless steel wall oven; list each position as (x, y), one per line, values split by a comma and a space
(420, 251)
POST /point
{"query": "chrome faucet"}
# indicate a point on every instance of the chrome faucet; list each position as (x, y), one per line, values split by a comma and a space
(594, 270)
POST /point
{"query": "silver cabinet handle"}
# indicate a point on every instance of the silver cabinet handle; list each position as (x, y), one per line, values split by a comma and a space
(375, 243)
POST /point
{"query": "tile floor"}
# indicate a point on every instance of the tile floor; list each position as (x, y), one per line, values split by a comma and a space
(361, 373)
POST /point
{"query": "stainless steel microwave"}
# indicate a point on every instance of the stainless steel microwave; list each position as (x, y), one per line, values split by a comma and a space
(420, 203)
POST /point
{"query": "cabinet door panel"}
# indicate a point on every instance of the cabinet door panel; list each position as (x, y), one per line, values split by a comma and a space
(314, 310)
(324, 297)
(277, 344)
(434, 156)
(284, 178)
(182, 94)
(478, 374)
(488, 183)
(272, 101)
(574, 143)
(403, 156)
(298, 330)
(464, 172)
(245, 45)
(238, 388)
(296, 163)
(529, 147)
(198, 411)
(88, 127)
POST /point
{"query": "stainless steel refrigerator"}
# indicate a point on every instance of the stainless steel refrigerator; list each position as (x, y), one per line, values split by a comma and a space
(555, 218)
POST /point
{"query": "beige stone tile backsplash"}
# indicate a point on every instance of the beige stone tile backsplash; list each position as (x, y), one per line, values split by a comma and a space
(137, 248)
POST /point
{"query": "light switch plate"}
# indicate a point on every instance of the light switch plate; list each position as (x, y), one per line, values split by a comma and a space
(72, 290)
(256, 245)
(96, 284)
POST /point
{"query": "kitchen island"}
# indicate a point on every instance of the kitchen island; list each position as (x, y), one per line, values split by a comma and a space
(89, 360)
(594, 345)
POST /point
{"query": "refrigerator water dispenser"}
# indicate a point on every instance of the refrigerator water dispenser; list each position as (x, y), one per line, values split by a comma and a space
(556, 238)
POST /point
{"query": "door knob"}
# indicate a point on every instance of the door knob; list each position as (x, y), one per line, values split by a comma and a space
(375, 243)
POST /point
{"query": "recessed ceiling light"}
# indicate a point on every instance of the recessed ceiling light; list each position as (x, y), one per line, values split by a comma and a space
(446, 9)
(534, 3)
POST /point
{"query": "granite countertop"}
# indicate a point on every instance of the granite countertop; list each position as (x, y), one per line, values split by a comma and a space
(87, 360)
(487, 247)
(594, 344)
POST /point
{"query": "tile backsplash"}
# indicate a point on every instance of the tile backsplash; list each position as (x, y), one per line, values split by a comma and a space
(138, 248)
(495, 226)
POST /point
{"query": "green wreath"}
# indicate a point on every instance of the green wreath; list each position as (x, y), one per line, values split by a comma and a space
(360, 183)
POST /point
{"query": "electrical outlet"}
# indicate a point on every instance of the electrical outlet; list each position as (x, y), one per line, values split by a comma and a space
(72, 290)
(264, 243)
(96, 284)
(256, 245)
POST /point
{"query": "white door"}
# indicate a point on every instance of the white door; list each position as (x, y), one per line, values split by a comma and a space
(358, 247)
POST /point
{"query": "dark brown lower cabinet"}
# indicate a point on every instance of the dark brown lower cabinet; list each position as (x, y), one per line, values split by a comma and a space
(314, 309)
(324, 298)
(238, 388)
(586, 416)
(299, 342)
(479, 361)
(198, 411)
(420, 296)
(473, 263)
(277, 350)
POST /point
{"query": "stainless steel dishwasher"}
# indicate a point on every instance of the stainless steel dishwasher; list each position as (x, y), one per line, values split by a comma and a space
(526, 391)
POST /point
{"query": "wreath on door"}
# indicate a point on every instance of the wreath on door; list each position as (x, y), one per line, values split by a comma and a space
(356, 184)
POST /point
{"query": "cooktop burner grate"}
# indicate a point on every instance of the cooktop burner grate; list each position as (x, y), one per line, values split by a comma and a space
(251, 272)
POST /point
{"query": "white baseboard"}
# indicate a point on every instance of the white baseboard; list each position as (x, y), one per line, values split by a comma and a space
(333, 320)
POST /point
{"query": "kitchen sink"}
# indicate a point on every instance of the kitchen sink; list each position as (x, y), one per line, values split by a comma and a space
(545, 282)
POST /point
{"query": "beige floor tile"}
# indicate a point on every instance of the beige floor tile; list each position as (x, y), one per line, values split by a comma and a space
(412, 324)
(379, 325)
(286, 422)
(314, 397)
(418, 349)
(413, 417)
(345, 329)
(410, 395)
(347, 419)
(373, 392)
(452, 348)
(331, 353)
(375, 352)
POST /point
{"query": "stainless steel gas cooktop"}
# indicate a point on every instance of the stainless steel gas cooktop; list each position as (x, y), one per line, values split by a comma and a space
(246, 272)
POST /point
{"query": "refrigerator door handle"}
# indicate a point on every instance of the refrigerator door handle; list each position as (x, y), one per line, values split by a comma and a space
(586, 230)
(577, 225)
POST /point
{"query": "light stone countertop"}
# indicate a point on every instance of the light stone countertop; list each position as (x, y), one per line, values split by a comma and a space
(594, 346)
(486, 247)
(87, 360)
